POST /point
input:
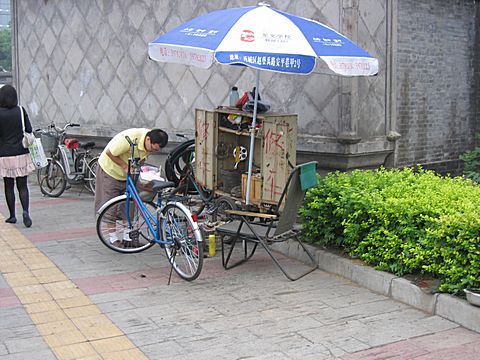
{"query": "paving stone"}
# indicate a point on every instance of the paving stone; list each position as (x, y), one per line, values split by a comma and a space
(38, 354)
(18, 332)
(165, 350)
(21, 345)
(74, 351)
(112, 344)
(67, 337)
(13, 317)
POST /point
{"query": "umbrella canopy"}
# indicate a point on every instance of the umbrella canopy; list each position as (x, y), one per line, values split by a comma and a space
(262, 38)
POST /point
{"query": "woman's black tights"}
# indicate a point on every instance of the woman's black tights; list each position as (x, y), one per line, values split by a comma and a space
(10, 194)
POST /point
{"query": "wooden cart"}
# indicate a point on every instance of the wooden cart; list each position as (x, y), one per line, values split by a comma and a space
(221, 138)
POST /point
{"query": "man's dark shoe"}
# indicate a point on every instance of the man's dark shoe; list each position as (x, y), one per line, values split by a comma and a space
(11, 220)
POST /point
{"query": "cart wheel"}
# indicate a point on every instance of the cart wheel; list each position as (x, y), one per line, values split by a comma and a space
(224, 203)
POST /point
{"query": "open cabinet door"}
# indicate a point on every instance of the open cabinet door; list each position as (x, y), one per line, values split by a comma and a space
(279, 154)
(205, 143)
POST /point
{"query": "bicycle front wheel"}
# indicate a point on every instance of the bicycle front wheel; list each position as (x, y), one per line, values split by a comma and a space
(52, 179)
(185, 253)
(122, 232)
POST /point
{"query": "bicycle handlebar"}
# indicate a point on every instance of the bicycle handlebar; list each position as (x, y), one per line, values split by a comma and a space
(130, 142)
(58, 130)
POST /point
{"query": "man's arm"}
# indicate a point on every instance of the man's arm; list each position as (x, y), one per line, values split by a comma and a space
(117, 160)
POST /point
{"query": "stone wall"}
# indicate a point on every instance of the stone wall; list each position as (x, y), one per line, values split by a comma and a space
(86, 61)
(476, 65)
(436, 80)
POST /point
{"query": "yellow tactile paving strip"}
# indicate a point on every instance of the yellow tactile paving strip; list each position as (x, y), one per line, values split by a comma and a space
(71, 325)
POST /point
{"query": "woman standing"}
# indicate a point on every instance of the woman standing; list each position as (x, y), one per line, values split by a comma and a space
(15, 161)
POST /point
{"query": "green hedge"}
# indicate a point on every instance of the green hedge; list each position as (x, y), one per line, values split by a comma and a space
(400, 221)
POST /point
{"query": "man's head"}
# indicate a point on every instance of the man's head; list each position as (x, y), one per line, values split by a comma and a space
(155, 140)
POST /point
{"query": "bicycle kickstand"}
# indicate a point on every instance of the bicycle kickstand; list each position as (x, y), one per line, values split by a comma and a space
(171, 267)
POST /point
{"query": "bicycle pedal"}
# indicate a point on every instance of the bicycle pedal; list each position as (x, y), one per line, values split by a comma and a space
(130, 244)
(210, 209)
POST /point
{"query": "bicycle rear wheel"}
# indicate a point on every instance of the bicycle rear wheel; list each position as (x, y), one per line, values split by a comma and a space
(52, 179)
(91, 174)
(80, 158)
(185, 254)
(116, 234)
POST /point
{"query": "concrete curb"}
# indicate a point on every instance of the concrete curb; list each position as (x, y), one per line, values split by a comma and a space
(398, 288)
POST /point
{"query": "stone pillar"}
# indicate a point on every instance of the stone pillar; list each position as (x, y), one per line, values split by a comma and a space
(476, 65)
(390, 81)
(347, 126)
(15, 58)
(365, 139)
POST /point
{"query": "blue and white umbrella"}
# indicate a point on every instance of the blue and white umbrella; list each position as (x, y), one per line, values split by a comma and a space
(262, 38)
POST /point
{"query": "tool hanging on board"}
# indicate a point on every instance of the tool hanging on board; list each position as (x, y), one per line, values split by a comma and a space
(240, 154)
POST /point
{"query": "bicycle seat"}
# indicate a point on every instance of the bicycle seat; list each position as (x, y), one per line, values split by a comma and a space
(72, 143)
(158, 185)
(87, 145)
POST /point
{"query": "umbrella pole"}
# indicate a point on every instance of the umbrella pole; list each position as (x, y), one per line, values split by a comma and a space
(252, 137)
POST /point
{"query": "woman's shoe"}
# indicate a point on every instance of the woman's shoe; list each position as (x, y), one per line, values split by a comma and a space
(26, 219)
(11, 220)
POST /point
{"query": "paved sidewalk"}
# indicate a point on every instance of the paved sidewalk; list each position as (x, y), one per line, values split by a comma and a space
(63, 295)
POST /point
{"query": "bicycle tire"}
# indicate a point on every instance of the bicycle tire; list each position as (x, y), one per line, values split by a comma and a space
(91, 174)
(79, 159)
(111, 226)
(172, 158)
(182, 165)
(42, 171)
(52, 179)
(185, 254)
(183, 159)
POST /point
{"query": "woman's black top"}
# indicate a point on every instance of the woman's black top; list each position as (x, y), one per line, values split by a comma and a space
(11, 131)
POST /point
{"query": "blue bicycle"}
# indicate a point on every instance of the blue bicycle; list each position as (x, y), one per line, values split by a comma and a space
(128, 224)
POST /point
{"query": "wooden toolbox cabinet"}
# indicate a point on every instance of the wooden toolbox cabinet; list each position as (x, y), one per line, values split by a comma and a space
(274, 154)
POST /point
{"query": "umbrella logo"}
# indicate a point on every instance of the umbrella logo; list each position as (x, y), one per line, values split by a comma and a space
(247, 36)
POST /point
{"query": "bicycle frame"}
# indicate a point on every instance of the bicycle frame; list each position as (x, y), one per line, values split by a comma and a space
(152, 220)
(86, 166)
(132, 193)
(189, 178)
